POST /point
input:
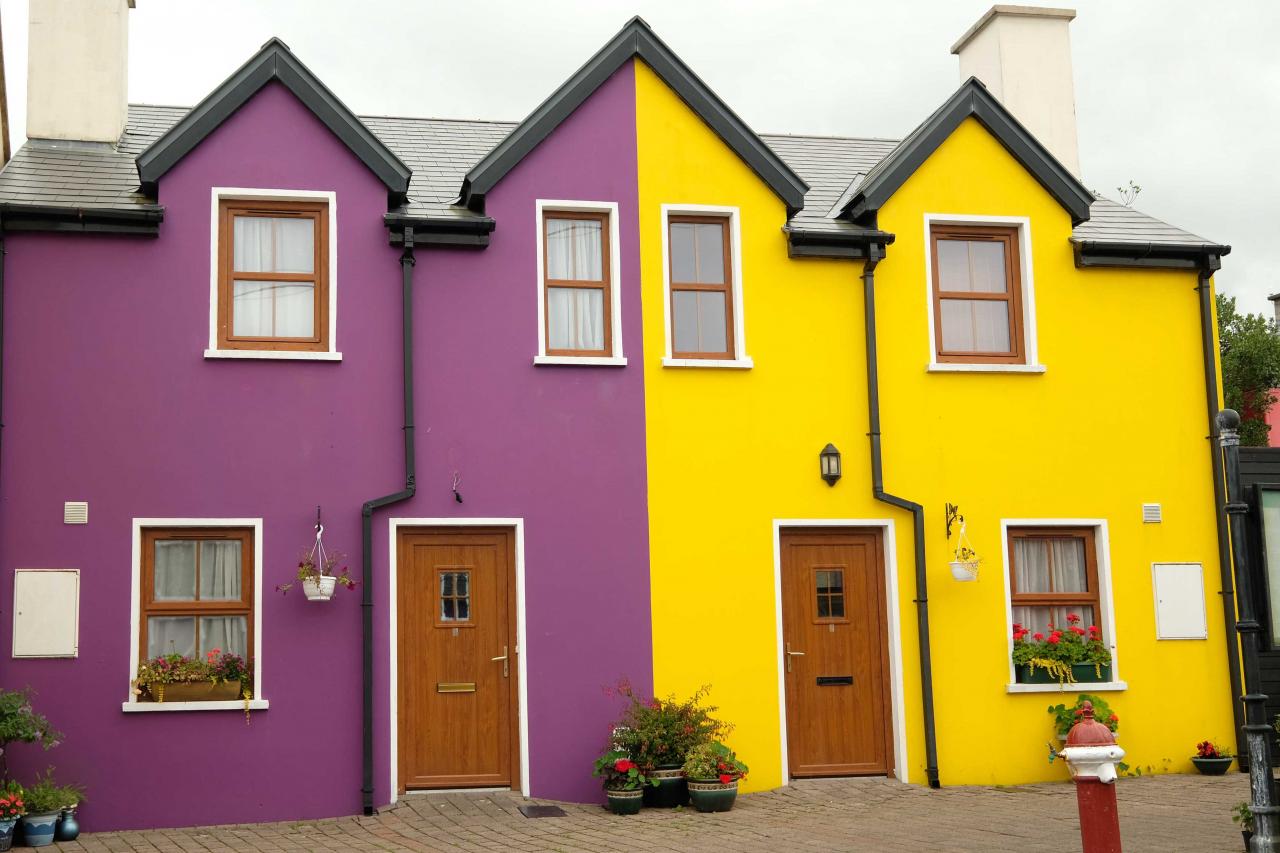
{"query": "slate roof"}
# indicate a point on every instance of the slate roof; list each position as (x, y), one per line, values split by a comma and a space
(441, 151)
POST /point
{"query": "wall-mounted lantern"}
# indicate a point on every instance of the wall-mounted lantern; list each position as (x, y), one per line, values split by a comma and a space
(829, 464)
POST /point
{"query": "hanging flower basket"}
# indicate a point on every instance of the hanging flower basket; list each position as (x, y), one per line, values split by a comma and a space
(316, 571)
(965, 566)
(319, 588)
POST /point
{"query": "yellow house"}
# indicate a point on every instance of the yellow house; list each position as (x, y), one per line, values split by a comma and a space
(1001, 360)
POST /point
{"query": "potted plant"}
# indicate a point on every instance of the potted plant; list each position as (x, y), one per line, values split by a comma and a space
(965, 566)
(316, 570)
(1076, 654)
(1242, 814)
(43, 800)
(221, 676)
(68, 828)
(1066, 716)
(624, 782)
(19, 723)
(658, 734)
(12, 808)
(713, 771)
(1210, 759)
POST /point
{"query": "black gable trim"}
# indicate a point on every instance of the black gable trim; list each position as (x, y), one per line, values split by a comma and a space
(635, 40)
(273, 62)
(971, 99)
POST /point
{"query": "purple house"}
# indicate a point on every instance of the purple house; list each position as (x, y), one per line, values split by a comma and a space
(218, 320)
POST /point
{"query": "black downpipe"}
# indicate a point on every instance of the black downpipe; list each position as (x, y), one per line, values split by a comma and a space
(366, 516)
(1219, 500)
(875, 253)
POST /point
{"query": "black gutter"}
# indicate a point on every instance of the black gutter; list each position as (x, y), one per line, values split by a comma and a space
(462, 231)
(1208, 353)
(366, 516)
(1175, 256)
(851, 244)
(144, 220)
(875, 252)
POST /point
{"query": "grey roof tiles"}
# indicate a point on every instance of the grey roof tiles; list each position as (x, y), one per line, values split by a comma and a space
(440, 152)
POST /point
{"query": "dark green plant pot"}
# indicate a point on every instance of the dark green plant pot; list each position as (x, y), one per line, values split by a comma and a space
(1248, 836)
(1212, 766)
(625, 802)
(1083, 673)
(671, 790)
(712, 795)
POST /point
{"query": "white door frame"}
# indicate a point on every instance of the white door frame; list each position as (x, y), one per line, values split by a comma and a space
(886, 528)
(521, 650)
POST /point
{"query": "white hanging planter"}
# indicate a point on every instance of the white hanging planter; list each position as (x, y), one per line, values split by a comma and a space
(321, 588)
(964, 570)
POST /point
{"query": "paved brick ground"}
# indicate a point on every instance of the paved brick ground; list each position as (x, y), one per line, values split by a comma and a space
(1158, 813)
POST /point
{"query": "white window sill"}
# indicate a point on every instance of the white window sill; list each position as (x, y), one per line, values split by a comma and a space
(582, 360)
(1078, 687)
(962, 367)
(277, 355)
(227, 705)
(744, 363)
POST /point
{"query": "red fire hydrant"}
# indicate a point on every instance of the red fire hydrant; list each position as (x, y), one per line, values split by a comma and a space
(1091, 753)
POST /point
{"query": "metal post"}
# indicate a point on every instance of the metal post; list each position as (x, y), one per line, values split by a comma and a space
(1257, 733)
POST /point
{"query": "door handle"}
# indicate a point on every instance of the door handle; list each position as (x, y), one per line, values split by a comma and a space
(790, 655)
(503, 657)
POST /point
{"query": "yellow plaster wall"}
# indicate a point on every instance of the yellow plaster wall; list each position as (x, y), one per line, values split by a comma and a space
(1117, 419)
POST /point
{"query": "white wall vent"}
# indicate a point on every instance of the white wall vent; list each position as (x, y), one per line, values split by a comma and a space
(1151, 514)
(75, 512)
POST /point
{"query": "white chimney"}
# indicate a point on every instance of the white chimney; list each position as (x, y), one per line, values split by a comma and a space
(78, 69)
(1023, 55)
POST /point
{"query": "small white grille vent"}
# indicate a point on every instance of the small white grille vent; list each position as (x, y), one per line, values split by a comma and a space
(1151, 514)
(75, 512)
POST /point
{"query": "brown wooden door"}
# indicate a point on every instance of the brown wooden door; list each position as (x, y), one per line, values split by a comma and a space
(835, 650)
(456, 613)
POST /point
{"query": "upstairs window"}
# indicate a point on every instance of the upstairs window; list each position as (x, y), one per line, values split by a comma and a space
(273, 283)
(977, 294)
(576, 284)
(702, 310)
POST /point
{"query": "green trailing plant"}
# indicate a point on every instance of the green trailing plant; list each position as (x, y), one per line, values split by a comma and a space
(1066, 716)
(620, 773)
(1242, 814)
(1060, 649)
(1250, 350)
(19, 723)
(661, 732)
(714, 761)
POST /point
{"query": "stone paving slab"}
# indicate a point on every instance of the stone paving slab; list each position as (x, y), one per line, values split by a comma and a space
(1158, 814)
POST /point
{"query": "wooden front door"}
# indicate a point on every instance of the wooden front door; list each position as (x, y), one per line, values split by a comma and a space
(836, 653)
(457, 658)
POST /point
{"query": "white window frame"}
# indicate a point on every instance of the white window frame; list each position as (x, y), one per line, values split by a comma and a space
(1031, 362)
(544, 206)
(1102, 546)
(220, 194)
(740, 360)
(257, 703)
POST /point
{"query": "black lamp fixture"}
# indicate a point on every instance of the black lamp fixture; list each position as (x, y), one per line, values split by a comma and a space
(829, 464)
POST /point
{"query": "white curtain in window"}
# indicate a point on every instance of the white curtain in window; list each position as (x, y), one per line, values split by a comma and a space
(225, 633)
(170, 635)
(175, 570)
(575, 318)
(1031, 565)
(273, 309)
(219, 570)
(1069, 571)
(575, 250)
(273, 244)
(1040, 618)
(971, 325)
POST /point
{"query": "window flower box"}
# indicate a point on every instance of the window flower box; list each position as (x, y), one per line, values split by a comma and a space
(1080, 672)
(195, 691)
(1064, 656)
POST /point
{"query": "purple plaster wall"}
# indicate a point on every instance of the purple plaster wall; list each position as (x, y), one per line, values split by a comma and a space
(107, 398)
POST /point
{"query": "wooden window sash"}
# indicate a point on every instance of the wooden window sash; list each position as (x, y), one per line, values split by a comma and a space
(1012, 294)
(725, 287)
(1089, 597)
(148, 606)
(605, 284)
(318, 213)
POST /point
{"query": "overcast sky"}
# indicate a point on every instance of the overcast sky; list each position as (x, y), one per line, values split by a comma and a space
(1180, 96)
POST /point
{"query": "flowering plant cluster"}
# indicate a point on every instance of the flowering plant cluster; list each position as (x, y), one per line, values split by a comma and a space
(309, 570)
(45, 796)
(11, 805)
(1209, 749)
(19, 723)
(218, 667)
(714, 761)
(662, 732)
(620, 773)
(1059, 650)
(1066, 716)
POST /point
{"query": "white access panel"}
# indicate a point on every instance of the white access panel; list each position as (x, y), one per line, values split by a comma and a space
(1179, 592)
(46, 613)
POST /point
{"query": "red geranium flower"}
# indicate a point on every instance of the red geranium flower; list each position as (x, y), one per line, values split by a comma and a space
(1054, 639)
(622, 765)
(1073, 618)
(1037, 636)
(725, 778)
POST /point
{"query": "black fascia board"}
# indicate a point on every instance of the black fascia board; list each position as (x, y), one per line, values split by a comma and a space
(636, 39)
(144, 221)
(273, 62)
(1175, 256)
(971, 100)
(436, 231)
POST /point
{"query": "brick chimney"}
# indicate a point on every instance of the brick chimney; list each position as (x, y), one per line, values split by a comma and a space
(1023, 56)
(78, 69)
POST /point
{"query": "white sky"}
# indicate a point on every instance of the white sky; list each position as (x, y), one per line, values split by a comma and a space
(1181, 96)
